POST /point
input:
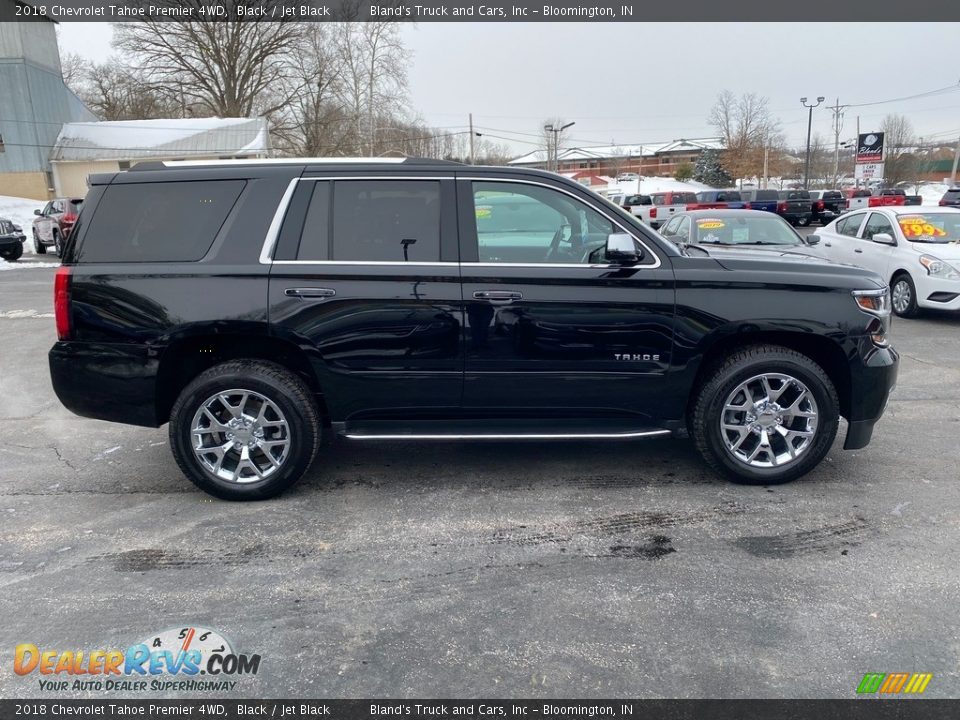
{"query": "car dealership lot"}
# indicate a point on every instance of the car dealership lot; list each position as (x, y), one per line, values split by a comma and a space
(540, 569)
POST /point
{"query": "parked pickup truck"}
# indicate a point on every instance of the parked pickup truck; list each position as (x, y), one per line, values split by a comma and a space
(761, 199)
(858, 199)
(828, 205)
(726, 199)
(892, 197)
(795, 207)
(668, 203)
(423, 300)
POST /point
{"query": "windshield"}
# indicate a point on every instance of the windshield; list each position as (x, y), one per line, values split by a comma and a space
(744, 230)
(931, 227)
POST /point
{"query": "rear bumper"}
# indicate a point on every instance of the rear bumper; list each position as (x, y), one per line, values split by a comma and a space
(872, 380)
(106, 381)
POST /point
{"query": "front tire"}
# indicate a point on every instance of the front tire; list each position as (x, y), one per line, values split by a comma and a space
(14, 254)
(903, 294)
(245, 430)
(766, 415)
(40, 248)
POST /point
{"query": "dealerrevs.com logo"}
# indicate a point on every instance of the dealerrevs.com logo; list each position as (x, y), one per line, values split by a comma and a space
(181, 659)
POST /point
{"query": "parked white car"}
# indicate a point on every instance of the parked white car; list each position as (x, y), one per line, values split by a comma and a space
(915, 248)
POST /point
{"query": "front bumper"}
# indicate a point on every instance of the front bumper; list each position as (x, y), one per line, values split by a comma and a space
(11, 242)
(873, 377)
(945, 293)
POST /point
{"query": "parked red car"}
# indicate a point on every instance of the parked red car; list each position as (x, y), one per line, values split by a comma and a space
(53, 224)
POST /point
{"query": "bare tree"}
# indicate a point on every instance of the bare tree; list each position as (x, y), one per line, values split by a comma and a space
(73, 68)
(113, 92)
(747, 128)
(899, 140)
(224, 67)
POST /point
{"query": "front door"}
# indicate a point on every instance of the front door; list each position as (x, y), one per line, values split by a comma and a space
(365, 278)
(552, 328)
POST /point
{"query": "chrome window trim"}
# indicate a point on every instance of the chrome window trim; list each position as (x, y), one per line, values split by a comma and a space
(273, 231)
(632, 233)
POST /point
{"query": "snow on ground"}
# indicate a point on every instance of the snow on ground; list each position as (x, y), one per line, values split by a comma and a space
(20, 265)
(20, 211)
(932, 192)
(648, 185)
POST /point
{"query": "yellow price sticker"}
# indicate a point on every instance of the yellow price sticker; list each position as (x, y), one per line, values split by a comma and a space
(710, 224)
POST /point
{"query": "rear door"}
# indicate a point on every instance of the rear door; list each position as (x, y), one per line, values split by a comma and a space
(552, 328)
(839, 245)
(365, 277)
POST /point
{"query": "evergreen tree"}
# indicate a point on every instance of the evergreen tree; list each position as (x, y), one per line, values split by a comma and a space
(709, 171)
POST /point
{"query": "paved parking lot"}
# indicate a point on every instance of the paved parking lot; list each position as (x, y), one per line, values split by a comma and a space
(537, 570)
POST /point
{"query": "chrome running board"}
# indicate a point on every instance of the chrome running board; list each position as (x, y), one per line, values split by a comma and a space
(507, 436)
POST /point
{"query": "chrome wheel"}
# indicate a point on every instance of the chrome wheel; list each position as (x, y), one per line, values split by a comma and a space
(902, 296)
(240, 436)
(769, 420)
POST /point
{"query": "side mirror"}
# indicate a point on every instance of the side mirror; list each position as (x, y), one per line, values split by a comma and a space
(813, 239)
(884, 239)
(622, 249)
(38, 212)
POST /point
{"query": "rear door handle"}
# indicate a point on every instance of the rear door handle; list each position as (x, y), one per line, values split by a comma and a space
(826, 244)
(857, 250)
(310, 293)
(498, 296)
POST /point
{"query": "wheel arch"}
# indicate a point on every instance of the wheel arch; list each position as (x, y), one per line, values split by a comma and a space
(822, 350)
(188, 356)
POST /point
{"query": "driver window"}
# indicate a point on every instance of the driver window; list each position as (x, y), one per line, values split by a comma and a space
(877, 224)
(521, 223)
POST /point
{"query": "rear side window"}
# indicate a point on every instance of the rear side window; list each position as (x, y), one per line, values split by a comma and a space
(158, 222)
(767, 195)
(850, 224)
(386, 220)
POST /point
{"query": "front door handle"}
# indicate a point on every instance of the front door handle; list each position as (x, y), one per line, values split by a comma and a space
(857, 250)
(310, 293)
(498, 296)
(826, 244)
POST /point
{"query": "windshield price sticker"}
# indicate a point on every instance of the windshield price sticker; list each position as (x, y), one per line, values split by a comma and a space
(915, 226)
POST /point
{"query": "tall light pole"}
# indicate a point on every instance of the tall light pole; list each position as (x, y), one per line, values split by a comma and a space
(806, 173)
(556, 143)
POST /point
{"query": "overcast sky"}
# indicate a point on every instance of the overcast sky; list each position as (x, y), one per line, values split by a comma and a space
(644, 83)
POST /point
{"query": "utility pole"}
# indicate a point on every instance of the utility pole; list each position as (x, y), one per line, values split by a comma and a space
(766, 161)
(956, 161)
(806, 172)
(556, 143)
(471, 138)
(856, 150)
(837, 128)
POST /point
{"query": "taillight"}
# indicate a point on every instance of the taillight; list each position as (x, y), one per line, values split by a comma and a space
(781, 207)
(70, 218)
(943, 202)
(819, 205)
(748, 206)
(61, 302)
(653, 212)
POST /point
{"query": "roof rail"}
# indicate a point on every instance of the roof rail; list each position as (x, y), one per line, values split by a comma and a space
(161, 164)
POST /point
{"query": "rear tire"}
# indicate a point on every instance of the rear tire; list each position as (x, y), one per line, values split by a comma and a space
(903, 295)
(57, 244)
(245, 430)
(803, 222)
(787, 422)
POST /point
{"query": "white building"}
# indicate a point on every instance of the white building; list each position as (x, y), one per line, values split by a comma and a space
(85, 148)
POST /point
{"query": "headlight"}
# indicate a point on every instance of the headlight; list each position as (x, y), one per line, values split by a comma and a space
(875, 302)
(938, 268)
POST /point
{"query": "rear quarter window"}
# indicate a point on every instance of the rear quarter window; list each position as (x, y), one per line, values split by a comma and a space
(158, 222)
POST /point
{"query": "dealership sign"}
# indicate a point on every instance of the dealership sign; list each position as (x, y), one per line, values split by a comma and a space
(868, 171)
(870, 148)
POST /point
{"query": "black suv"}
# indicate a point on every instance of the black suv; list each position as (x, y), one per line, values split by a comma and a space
(253, 304)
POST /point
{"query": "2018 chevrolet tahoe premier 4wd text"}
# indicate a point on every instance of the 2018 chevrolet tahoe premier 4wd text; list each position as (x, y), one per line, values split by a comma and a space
(252, 304)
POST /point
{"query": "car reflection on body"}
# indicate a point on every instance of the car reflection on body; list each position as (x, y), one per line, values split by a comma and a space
(753, 229)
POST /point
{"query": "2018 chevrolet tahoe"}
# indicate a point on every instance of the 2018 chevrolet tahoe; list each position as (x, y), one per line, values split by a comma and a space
(251, 305)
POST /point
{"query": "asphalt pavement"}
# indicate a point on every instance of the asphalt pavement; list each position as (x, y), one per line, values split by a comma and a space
(489, 570)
